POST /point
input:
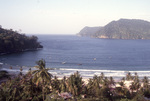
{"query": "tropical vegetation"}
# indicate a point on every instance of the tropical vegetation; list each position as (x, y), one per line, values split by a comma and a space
(41, 85)
(12, 41)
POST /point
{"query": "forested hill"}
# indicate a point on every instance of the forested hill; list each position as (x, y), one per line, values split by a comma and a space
(88, 31)
(11, 41)
(124, 29)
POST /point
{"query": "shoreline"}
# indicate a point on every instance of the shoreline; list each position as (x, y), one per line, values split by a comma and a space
(127, 83)
(85, 73)
(25, 50)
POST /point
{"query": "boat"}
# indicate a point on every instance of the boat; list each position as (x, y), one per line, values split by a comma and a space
(63, 62)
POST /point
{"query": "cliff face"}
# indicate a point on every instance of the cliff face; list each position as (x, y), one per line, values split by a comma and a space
(124, 29)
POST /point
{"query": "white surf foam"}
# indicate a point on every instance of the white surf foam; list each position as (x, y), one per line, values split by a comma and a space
(107, 73)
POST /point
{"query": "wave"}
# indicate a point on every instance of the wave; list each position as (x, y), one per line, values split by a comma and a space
(90, 73)
(119, 71)
(1, 63)
(85, 73)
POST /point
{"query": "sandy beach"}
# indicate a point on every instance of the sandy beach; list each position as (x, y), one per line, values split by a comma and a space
(15, 70)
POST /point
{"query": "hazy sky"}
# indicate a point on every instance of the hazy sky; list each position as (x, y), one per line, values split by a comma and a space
(67, 16)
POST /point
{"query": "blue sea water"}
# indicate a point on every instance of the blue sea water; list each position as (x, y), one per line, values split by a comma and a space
(89, 56)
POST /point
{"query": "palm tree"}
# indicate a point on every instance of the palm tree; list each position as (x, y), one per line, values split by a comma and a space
(146, 87)
(97, 83)
(137, 82)
(132, 88)
(106, 82)
(55, 84)
(145, 82)
(129, 76)
(21, 69)
(102, 75)
(122, 90)
(63, 86)
(74, 84)
(135, 85)
(11, 90)
(41, 75)
(111, 81)
(90, 87)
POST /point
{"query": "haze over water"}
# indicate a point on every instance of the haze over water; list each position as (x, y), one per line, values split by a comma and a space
(89, 56)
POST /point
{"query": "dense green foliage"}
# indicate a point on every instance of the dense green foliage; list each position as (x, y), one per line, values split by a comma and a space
(4, 74)
(121, 29)
(38, 85)
(11, 41)
(41, 75)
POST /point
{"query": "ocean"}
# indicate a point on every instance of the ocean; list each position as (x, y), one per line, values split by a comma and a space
(90, 56)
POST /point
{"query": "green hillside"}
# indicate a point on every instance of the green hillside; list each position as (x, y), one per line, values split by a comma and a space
(11, 41)
(124, 29)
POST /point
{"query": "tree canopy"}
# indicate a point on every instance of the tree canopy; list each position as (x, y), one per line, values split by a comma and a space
(12, 41)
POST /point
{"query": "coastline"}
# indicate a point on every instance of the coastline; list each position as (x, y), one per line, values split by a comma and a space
(15, 70)
(127, 83)
(85, 73)
(36, 49)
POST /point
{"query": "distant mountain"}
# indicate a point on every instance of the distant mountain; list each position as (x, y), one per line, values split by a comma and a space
(123, 29)
(88, 31)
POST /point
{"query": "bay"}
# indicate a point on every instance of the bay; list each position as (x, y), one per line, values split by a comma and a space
(89, 56)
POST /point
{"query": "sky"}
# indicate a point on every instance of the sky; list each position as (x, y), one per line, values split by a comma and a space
(67, 16)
